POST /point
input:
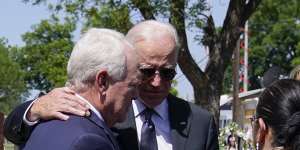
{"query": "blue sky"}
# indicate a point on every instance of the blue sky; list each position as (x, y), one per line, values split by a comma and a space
(17, 18)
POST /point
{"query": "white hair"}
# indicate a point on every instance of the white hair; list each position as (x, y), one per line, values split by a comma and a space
(97, 49)
(151, 29)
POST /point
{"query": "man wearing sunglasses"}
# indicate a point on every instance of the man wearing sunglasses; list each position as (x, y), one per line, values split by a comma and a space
(157, 119)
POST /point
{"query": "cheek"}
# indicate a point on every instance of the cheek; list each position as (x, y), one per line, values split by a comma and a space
(118, 94)
(127, 94)
(166, 84)
(149, 83)
(144, 84)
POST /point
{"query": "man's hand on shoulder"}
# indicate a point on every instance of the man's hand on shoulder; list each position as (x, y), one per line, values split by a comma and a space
(56, 104)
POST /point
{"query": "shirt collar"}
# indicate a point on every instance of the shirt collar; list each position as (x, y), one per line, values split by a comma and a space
(92, 108)
(161, 109)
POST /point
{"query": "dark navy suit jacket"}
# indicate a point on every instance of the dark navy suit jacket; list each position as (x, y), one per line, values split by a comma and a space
(192, 128)
(77, 133)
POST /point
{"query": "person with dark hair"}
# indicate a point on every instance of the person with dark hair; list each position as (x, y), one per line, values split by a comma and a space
(277, 122)
(231, 142)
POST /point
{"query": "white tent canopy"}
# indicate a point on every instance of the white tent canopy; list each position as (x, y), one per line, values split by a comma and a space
(243, 96)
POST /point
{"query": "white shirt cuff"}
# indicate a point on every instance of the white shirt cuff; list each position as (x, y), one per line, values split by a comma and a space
(29, 123)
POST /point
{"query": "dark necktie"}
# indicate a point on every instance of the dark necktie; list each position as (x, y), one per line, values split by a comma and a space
(148, 137)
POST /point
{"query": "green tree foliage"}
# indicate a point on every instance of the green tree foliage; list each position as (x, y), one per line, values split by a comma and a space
(120, 15)
(274, 37)
(45, 54)
(109, 16)
(184, 15)
(12, 84)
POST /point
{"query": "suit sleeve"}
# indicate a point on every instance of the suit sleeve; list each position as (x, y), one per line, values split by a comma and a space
(212, 137)
(15, 130)
(91, 142)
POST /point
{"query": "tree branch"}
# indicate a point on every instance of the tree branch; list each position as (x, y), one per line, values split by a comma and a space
(237, 14)
(186, 62)
(249, 9)
(210, 36)
(230, 32)
(145, 8)
(204, 15)
(225, 44)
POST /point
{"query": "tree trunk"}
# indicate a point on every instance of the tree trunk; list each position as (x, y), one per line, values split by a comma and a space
(237, 107)
(221, 46)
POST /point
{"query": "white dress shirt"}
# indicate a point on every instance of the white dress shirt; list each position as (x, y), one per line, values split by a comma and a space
(30, 123)
(161, 122)
(91, 107)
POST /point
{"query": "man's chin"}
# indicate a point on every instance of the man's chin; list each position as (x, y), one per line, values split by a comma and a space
(156, 95)
(153, 101)
(123, 114)
(122, 118)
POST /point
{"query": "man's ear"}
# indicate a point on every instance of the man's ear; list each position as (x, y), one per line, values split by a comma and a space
(102, 81)
(262, 132)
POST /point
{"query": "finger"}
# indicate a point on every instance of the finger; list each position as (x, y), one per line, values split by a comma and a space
(68, 90)
(76, 105)
(77, 100)
(61, 116)
(67, 109)
(61, 97)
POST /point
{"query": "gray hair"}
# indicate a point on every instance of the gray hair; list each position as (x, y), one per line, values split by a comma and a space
(97, 49)
(150, 29)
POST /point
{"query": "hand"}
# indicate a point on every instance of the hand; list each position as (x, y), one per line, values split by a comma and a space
(56, 103)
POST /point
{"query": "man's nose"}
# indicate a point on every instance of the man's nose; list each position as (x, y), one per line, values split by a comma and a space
(156, 81)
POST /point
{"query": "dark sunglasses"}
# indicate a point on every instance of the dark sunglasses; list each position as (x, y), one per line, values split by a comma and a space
(164, 73)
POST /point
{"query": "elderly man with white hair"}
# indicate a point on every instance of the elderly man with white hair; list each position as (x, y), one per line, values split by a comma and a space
(102, 70)
(177, 124)
(157, 120)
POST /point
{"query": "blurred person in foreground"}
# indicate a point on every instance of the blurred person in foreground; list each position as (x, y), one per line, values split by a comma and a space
(277, 121)
(157, 120)
(102, 71)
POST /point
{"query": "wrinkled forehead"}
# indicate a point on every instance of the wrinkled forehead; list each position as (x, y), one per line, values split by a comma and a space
(158, 52)
(159, 60)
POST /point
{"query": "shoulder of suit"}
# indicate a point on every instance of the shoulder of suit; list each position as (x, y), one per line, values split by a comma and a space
(74, 122)
(71, 128)
(91, 141)
(76, 131)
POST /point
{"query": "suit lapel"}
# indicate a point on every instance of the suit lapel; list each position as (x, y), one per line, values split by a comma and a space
(179, 114)
(126, 133)
(108, 132)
